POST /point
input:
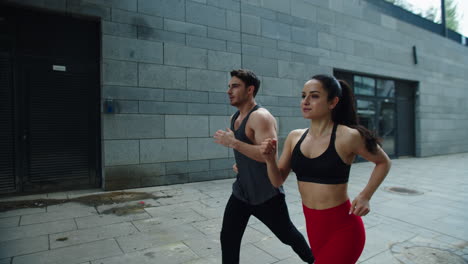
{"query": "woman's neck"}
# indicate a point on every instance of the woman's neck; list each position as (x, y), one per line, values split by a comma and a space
(320, 127)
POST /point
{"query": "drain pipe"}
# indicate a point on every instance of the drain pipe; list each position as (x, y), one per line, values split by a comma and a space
(444, 24)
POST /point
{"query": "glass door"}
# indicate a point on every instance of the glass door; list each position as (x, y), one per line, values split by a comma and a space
(378, 115)
(376, 108)
(386, 107)
(386, 125)
(366, 110)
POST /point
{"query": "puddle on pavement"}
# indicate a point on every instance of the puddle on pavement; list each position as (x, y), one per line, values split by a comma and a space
(427, 255)
(462, 245)
(150, 255)
(402, 190)
(91, 200)
(127, 209)
(407, 252)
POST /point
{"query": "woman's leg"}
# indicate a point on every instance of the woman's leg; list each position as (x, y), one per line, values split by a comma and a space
(334, 235)
(345, 245)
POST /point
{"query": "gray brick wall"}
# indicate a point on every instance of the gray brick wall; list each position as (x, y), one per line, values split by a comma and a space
(166, 64)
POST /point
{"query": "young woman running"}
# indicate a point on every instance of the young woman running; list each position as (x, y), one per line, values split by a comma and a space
(321, 156)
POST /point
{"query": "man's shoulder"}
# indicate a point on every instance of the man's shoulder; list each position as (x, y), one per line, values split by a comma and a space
(261, 112)
(262, 117)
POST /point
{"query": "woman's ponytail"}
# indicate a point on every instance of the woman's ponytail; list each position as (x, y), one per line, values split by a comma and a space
(345, 111)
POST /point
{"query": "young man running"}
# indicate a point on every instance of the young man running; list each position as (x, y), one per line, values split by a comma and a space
(252, 192)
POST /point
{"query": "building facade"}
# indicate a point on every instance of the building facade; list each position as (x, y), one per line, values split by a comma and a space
(128, 93)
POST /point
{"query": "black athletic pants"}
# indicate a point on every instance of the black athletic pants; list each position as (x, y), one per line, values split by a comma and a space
(273, 213)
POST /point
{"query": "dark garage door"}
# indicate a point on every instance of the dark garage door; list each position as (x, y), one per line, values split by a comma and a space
(50, 101)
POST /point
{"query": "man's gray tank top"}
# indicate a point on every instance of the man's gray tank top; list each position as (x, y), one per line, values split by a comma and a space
(252, 184)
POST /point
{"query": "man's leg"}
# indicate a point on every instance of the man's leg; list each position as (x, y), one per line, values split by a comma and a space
(274, 214)
(236, 217)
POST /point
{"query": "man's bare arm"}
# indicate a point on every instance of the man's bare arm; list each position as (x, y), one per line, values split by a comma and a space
(263, 125)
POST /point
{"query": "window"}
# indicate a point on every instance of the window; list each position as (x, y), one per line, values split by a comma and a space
(366, 112)
(364, 85)
(385, 88)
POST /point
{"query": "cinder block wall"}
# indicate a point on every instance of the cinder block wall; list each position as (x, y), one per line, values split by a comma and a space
(166, 63)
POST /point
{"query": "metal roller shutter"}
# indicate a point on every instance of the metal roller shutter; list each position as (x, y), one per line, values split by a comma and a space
(7, 145)
(58, 127)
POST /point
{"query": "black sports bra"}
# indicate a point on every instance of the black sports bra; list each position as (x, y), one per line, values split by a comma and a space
(328, 168)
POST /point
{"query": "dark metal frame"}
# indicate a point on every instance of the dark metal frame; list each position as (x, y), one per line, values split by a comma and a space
(376, 98)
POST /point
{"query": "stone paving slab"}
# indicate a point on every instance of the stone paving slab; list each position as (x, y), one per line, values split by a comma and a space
(9, 221)
(209, 212)
(74, 254)
(37, 229)
(204, 246)
(379, 238)
(22, 212)
(250, 254)
(101, 220)
(23, 246)
(175, 253)
(157, 238)
(81, 236)
(275, 248)
(184, 226)
(144, 202)
(208, 227)
(213, 259)
(57, 215)
(383, 257)
(173, 219)
(292, 260)
(67, 207)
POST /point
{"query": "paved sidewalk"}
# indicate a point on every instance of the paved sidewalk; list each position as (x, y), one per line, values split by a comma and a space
(181, 223)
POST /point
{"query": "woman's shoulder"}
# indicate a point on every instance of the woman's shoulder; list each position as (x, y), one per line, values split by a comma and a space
(347, 134)
(297, 132)
(295, 135)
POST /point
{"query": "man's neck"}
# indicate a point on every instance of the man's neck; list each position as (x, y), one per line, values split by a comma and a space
(244, 109)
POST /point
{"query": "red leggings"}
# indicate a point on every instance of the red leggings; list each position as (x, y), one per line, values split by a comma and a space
(335, 236)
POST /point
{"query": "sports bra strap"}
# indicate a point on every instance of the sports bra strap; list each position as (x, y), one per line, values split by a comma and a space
(303, 136)
(333, 135)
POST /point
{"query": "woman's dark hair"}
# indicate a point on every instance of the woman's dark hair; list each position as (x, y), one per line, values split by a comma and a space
(248, 77)
(344, 112)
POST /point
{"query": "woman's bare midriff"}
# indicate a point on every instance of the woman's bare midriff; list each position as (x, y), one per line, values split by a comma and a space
(322, 196)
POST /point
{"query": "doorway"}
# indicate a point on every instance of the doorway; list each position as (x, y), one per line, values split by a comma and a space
(385, 106)
(50, 79)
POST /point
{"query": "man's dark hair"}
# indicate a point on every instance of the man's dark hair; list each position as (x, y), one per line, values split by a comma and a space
(248, 77)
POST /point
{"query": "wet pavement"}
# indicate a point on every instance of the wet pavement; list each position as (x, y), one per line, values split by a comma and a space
(419, 215)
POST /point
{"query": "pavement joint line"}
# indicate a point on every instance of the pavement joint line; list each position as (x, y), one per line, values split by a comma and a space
(135, 226)
(118, 244)
(266, 252)
(396, 219)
